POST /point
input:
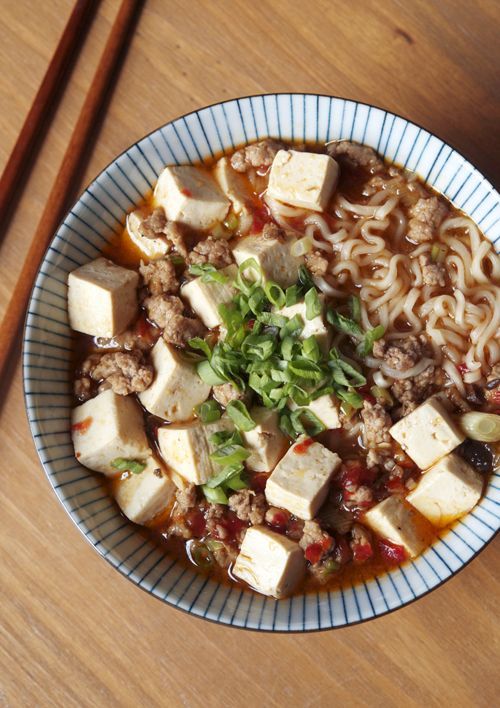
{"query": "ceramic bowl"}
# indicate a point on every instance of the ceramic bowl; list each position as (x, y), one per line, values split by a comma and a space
(92, 223)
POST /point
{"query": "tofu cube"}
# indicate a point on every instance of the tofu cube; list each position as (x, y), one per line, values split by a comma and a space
(303, 179)
(205, 298)
(325, 408)
(301, 479)
(102, 298)
(316, 327)
(152, 248)
(234, 185)
(395, 520)
(427, 433)
(447, 491)
(146, 495)
(265, 442)
(186, 449)
(269, 562)
(273, 256)
(106, 427)
(190, 196)
(176, 388)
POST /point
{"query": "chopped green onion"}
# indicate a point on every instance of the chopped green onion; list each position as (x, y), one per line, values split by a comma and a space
(214, 496)
(305, 278)
(257, 300)
(208, 375)
(246, 269)
(366, 346)
(481, 426)
(225, 474)
(240, 416)
(330, 566)
(293, 326)
(286, 424)
(344, 324)
(287, 347)
(208, 411)
(229, 455)
(382, 394)
(351, 397)
(292, 295)
(236, 483)
(220, 231)
(305, 421)
(214, 545)
(355, 307)
(231, 222)
(301, 246)
(223, 436)
(342, 369)
(274, 293)
(177, 260)
(438, 252)
(200, 555)
(305, 369)
(208, 273)
(123, 464)
(310, 349)
(313, 304)
(272, 319)
(201, 344)
(259, 346)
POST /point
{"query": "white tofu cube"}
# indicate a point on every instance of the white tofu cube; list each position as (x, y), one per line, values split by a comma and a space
(102, 298)
(325, 408)
(146, 495)
(176, 387)
(301, 479)
(186, 449)
(303, 179)
(447, 491)
(315, 327)
(269, 562)
(395, 520)
(273, 256)
(427, 433)
(106, 427)
(205, 298)
(265, 442)
(190, 196)
(152, 248)
(234, 185)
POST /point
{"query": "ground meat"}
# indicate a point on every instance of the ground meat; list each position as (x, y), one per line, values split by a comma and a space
(249, 506)
(259, 154)
(402, 354)
(356, 155)
(141, 337)
(224, 554)
(361, 497)
(185, 498)
(159, 277)
(225, 393)
(217, 252)
(176, 238)
(154, 225)
(83, 388)
(313, 535)
(273, 231)
(124, 372)
(162, 308)
(376, 425)
(317, 263)
(491, 391)
(432, 273)
(215, 513)
(413, 391)
(452, 396)
(426, 215)
(376, 458)
(178, 527)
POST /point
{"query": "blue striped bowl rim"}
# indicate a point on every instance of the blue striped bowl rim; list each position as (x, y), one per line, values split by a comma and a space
(96, 218)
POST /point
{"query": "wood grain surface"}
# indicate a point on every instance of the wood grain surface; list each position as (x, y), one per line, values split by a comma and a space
(73, 632)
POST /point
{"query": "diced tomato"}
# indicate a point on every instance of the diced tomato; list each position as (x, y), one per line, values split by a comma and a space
(83, 426)
(392, 553)
(279, 519)
(302, 447)
(361, 552)
(463, 369)
(196, 522)
(259, 481)
(342, 553)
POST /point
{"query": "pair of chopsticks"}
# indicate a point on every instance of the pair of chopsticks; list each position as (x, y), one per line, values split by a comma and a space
(75, 157)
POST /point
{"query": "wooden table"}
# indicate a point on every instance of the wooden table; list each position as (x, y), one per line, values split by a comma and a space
(76, 633)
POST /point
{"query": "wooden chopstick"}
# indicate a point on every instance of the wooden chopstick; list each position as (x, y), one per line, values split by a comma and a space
(38, 119)
(70, 172)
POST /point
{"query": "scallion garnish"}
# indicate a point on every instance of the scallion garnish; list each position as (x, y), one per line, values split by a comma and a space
(240, 416)
(313, 304)
(208, 411)
(123, 464)
(208, 273)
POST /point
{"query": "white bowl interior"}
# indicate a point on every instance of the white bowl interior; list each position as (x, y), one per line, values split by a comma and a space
(98, 214)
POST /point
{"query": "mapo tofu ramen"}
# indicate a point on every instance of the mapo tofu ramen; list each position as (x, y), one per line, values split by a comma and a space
(287, 367)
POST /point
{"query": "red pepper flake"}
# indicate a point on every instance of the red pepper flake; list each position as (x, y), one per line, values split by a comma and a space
(463, 369)
(78, 455)
(279, 519)
(367, 396)
(313, 553)
(392, 553)
(186, 192)
(260, 216)
(361, 552)
(302, 447)
(83, 426)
